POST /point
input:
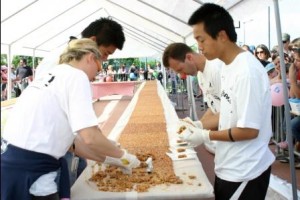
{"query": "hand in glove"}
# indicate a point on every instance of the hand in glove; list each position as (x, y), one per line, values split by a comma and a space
(195, 136)
(187, 122)
(126, 162)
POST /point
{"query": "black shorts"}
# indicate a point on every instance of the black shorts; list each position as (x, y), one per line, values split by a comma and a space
(255, 189)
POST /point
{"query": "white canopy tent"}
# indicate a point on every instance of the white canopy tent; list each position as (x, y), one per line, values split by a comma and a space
(36, 27)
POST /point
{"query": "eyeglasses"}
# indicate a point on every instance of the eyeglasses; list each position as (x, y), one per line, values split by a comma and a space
(259, 52)
(284, 42)
(296, 50)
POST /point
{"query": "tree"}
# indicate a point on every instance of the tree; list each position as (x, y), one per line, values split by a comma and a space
(3, 59)
(16, 59)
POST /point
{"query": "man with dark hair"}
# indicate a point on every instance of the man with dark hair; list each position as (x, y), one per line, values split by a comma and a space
(106, 32)
(23, 75)
(182, 59)
(109, 36)
(242, 158)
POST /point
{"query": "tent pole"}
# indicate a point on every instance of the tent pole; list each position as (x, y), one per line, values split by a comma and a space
(286, 103)
(9, 72)
(33, 64)
(269, 27)
(191, 99)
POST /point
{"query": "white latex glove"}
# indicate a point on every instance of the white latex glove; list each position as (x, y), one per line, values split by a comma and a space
(196, 124)
(195, 136)
(185, 123)
(126, 162)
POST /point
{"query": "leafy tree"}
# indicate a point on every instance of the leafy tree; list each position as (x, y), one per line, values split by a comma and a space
(3, 59)
(16, 59)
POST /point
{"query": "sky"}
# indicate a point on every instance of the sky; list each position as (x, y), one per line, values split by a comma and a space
(256, 26)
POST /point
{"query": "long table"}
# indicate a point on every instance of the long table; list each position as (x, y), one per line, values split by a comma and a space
(200, 188)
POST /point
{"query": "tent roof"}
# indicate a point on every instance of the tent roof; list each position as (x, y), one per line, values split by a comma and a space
(35, 27)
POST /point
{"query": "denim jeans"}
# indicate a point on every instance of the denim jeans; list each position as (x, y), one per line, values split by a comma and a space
(295, 127)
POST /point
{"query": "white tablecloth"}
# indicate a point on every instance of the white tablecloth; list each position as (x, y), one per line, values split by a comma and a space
(199, 188)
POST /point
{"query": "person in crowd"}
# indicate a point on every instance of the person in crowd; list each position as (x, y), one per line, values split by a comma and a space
(141, 74)
(160, 77)
(133, 74)
(158, 66)
(182, 77)
(146, 73)
(173, 79)
(109, 36)
(110, 74)
(246, 48)
(275, 77)
(154, 74)
(196, 89)
(4, 80)
(122, 73)
(294, 77)
(262, 53)
(33, 151)
(274, 53)
(278, 77)
(242, 158)
(270, 69)
(24, 74)
(294, 80)
(182, 59)
(150, 72)
(286, 40)
(158, 73)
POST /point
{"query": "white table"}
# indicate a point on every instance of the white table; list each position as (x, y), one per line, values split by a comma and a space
(190, 189)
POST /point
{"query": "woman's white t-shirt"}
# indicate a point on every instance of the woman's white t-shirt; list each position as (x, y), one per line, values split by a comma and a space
(47, 116)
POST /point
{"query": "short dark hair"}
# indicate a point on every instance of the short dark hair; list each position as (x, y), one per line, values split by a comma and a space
(107, 31)
(176, 51)
(24, 60)
(215, 19)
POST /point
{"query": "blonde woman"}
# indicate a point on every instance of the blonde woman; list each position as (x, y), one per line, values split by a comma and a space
(55, 113)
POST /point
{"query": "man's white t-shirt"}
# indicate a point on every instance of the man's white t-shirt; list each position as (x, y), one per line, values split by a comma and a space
(245, 103)
(210, 83)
